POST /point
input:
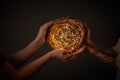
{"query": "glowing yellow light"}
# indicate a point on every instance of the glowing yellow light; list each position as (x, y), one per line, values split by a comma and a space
(67, 34)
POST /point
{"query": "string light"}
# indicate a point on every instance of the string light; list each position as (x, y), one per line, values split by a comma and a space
(66, 34)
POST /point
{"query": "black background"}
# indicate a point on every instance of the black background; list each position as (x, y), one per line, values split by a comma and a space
(20, 22)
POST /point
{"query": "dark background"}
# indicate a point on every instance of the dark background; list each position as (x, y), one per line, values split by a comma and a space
(20, 22)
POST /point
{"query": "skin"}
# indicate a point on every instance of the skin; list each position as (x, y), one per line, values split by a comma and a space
(24, 54)
(105, 54)
(27, 52)
(33, 67)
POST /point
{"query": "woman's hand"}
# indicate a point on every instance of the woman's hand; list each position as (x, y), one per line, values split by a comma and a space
(65, 55)
(61, 55)
(42, 32)
(77, 53)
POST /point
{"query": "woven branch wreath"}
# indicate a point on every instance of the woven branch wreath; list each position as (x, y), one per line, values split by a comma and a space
(66, 34)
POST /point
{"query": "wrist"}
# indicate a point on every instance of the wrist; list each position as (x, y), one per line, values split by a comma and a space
(90, 42)
(51, 56)
(39, 42)
(36, 44)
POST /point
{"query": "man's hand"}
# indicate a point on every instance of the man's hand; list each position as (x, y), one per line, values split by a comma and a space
(42, 32)
(88, 34)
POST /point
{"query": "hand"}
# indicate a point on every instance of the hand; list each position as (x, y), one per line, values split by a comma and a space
(60, 55)
(88, 34)
(76, 53)
(42, 31)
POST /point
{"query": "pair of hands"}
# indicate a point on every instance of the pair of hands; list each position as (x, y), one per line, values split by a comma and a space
(60, 54)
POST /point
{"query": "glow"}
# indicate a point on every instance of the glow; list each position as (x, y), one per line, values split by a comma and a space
(66, 34)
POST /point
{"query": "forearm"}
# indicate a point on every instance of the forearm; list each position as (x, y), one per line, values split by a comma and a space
(21, 74)
(33, 67)
(108, 59)
(25, 53)
(101, 48)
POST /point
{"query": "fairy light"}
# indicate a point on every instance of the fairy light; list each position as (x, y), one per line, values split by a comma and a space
(66, 34)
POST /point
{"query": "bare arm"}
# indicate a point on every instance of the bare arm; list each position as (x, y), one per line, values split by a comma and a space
(33, 67)
(31, 49)
(101, 48)
(24, 54)
(105, 54)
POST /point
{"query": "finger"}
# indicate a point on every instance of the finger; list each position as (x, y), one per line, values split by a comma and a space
(74, 54)
(59, 51)
(87, 30)
(89, 33)
(85, 24)
(48, 24)
(67, 52)
(68, 56)
(79, 51)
